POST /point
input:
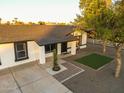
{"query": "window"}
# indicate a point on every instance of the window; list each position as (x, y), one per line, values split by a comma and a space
(21, 51)
(50, 47)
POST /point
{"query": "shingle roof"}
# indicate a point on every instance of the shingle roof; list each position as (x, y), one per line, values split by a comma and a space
(42, 34)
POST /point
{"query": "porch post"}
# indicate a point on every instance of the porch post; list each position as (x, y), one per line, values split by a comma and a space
(42, 55)
(59, 48)
(73, 47)
(84, 40)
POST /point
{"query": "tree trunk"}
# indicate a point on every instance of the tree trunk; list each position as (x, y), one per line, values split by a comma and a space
(104, 47)
(118, 61)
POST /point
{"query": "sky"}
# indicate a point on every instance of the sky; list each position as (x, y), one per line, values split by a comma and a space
(39, 10)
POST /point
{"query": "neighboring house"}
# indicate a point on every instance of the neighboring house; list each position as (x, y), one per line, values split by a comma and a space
(25, 43)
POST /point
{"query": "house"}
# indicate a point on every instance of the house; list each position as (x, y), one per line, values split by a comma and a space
(25, 43)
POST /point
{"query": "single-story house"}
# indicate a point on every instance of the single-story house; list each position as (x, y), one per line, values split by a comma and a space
(25, 43)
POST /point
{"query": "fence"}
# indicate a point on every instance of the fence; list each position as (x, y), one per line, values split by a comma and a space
(96, 41)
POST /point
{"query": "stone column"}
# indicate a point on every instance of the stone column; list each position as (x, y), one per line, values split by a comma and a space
(73, 47)
(59, 48)
(42, 55)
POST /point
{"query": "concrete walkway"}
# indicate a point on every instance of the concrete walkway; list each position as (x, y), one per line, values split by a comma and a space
(71, 71)
(29, 78)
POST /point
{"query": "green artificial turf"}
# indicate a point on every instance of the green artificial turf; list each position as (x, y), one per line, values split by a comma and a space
(94, 60)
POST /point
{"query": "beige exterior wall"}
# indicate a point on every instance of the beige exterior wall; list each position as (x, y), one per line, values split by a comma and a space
(35, 52)
(83, 39)
(42, 58)
(69, 47)
(7, 54)
(73, 47)
(59, 48)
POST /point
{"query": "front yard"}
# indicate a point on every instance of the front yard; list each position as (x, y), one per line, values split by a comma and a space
(78, 77)
(96, 81)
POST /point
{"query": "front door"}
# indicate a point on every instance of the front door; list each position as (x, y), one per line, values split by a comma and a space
(64, 47)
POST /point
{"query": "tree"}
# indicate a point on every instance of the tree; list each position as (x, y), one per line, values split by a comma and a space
(102, 26)
(93, 15)
(108, 22)
(19, 23)
(31, 23)
(15, 20)
(97, 18)
(8, 23)
(41, 23)
(109, 25)
(118, 33)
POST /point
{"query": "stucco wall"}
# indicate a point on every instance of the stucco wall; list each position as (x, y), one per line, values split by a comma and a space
(35, 52)
(7, 54)
(69, 47)
(84, 40)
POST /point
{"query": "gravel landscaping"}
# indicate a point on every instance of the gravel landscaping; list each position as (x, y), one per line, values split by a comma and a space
(96, 81)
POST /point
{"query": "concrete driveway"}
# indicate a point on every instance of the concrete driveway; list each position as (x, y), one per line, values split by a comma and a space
(29, 78)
